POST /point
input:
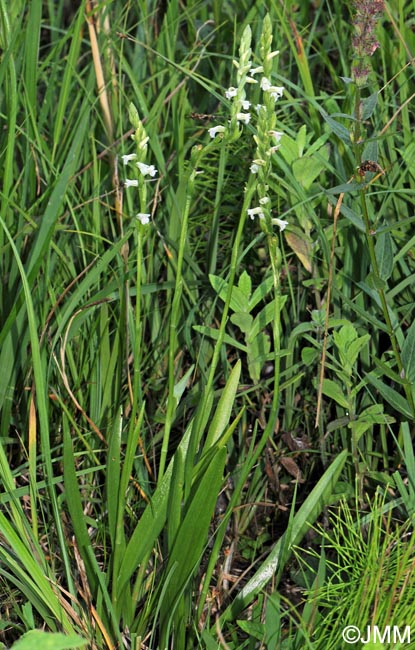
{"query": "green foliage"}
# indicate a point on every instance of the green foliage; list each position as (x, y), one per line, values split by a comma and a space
(160, 350)
(253, 328)
(38, 640)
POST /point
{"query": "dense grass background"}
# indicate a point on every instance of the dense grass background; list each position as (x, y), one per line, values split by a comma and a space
(169, 475)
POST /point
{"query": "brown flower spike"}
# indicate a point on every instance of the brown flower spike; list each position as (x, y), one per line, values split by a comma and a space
(364, 42)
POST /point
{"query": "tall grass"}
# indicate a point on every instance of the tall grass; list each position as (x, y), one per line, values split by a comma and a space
(161, 352)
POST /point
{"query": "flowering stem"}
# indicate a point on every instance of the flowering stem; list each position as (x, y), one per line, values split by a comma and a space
(174, 323)
(207, 395)
(213, 243)
(372, 251)
(275, 257)
(138, 323)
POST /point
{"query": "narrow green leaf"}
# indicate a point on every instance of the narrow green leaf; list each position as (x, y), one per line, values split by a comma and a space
(393, 398)
(113, 475)
(214, 334)
(175, 503)
(193, 532)
(408, 353)
(151, 522)
(224, 408)
(288, 149)
(345, 187)
(301, 139)
(52, 211)
(68, 77)
(73, 499)
(258, 350)
(252, 629)
(32, 54)
(25, 571)
(181, 385)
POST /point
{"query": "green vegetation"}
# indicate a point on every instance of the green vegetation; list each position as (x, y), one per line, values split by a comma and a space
(207, 346)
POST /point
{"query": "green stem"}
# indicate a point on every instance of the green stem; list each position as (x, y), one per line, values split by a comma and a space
(371, 248)
(221, 334)
(137, 394)
(275, 257)
(174, 322)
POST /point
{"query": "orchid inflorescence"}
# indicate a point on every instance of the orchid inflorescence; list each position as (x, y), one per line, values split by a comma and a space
(267, 137)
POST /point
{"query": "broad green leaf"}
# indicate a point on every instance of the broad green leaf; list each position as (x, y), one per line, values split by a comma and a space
(408, 354)
(344, 336)
(321, 495)
(39, 640)
(366, 419)
(219, 285)
(258, 349)
(384, 255)
(265, 316)
(349, 345)
(252, 629)
(355, 347)
(371, 151)
(369, 104)
(261, 291)
(338, 129)
(288, 149)
(307, 169)
(334, 391)
(243, 321)
(302, 247)
(375, 282)
(245, 284)
(301, 139)
(239, 300)
(309, 355)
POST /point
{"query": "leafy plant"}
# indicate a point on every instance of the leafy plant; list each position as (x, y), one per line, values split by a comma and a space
(166, 305)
